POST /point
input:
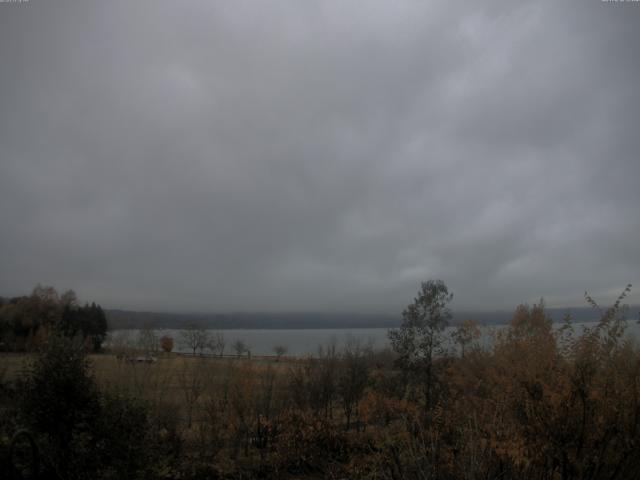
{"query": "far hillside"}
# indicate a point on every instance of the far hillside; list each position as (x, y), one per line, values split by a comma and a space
(125, 319)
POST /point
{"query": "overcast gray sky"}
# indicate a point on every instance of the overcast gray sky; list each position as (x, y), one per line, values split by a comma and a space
(319, 155)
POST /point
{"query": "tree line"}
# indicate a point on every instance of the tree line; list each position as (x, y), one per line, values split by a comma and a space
(26, 322)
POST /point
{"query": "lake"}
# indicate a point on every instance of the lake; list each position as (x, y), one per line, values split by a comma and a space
(306, 341)
(296, 341)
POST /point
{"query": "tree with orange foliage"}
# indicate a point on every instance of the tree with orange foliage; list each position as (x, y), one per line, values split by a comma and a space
(166, 343)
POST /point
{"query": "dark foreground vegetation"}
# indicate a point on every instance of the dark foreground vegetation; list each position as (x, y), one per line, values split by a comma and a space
(538, 403)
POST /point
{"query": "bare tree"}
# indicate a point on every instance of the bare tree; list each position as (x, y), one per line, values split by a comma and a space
(240, 347)
(148, 340)
(69, 299)
(217, 343)
(195, 338)
(279, 350)
(120, 343)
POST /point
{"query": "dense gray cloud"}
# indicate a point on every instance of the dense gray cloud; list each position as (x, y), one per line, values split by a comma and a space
(325, 156)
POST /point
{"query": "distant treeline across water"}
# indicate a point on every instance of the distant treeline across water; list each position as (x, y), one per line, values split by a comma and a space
(123, 319)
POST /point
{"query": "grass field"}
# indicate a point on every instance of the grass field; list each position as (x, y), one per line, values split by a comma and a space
(109, 370)
(186, 383)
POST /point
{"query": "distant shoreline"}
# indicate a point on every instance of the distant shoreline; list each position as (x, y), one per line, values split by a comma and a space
(132, 320)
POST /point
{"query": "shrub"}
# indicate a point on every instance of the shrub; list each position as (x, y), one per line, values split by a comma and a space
(82, 433)
(166, 343)
(60, 403)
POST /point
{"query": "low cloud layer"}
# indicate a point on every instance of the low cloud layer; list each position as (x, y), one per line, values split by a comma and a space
(319, 156)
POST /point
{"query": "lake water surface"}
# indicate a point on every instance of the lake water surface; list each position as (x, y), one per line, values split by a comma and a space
(307, 341)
